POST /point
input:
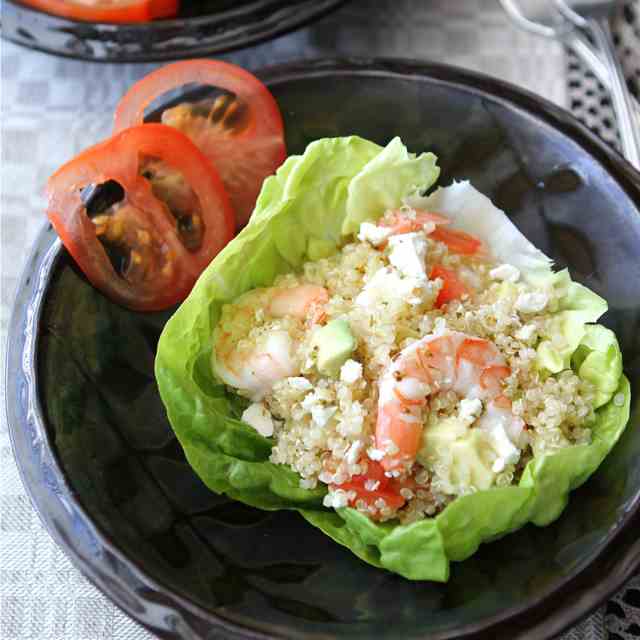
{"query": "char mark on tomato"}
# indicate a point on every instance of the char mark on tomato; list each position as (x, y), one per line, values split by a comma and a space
(142, 214)
(240, 131)
(226, 111)
(101, 202)
(170, 186)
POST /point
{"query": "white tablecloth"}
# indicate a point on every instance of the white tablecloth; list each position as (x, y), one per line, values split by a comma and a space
(54, 107)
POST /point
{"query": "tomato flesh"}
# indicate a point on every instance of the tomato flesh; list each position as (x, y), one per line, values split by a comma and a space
(134, 249)
(241, 132)
(452, 287)
(125, 11)
(457, 241)
(387, 488)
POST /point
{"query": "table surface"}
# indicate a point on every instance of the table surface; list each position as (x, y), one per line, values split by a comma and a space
(53, 107)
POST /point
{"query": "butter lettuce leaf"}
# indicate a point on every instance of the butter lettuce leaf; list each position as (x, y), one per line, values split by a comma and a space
(386, 181)
(304, 212)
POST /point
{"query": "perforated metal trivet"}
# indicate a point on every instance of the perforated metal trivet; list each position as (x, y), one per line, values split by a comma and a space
(588, 100)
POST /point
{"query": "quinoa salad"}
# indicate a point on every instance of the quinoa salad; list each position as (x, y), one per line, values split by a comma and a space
(393, 360)
(400, 371)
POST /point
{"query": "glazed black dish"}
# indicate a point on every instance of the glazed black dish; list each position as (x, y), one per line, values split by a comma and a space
(111, 483)
(203, 27)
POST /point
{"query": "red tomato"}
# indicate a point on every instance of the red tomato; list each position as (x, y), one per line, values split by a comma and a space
(457, 241)
(108, 10)
(146, 250)
(241, 134)
(452, 288)
(388, 488)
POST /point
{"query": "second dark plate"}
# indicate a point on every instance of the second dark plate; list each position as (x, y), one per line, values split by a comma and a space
(204, 27)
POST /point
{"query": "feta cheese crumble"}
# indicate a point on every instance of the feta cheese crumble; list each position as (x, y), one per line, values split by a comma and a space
(505, 272)
(373, 234)
(469, 410)
(259, 417)
(408, 254)
(532, 302)
(299, 383)
(386, 286)
(350, 372)
(526, 332)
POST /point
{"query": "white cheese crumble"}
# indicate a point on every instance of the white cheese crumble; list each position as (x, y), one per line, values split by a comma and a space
(336, 499)
(506, 272)
(408, 254)
(618, 399)
(526, 332)
(298, 383)
(350, 372)
(375, 454)
(321, 415)
(385, 286)
(373, 234)
(499, 427)
(429, 227)
(413, 389)
(353, 453)
(532, 302)
(469, 410)
(259, 417)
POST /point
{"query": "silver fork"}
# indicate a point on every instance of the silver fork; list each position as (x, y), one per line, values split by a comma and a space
(541, 19)
(593, 16)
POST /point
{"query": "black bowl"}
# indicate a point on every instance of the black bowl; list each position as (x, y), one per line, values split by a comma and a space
(203, 27)
(112, 486)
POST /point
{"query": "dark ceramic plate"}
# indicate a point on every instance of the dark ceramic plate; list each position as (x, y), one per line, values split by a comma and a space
(204, 27)
(113, 488)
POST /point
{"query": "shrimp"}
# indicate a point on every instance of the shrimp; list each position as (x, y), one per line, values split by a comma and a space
(433, 224)
(400, 221)
(472, 367)
(254, 364)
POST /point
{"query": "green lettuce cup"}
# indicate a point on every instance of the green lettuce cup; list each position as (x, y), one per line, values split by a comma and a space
(305, 212)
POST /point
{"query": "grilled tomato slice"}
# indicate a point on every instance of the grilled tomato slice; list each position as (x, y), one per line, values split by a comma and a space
(240, 131)
(108, 10)
(142, 213)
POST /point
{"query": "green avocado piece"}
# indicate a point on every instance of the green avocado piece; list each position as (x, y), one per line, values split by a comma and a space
(335, 344)
(461, 456)
(470, 466)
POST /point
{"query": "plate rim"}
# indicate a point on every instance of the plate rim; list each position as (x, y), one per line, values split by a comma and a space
(318, 9)
(47, 251)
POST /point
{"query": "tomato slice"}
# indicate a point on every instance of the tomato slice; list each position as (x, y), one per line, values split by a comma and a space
(108, 10)
(146, 247)
(386, 488)
(242, 133)
(452, 287)
(457, 241)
